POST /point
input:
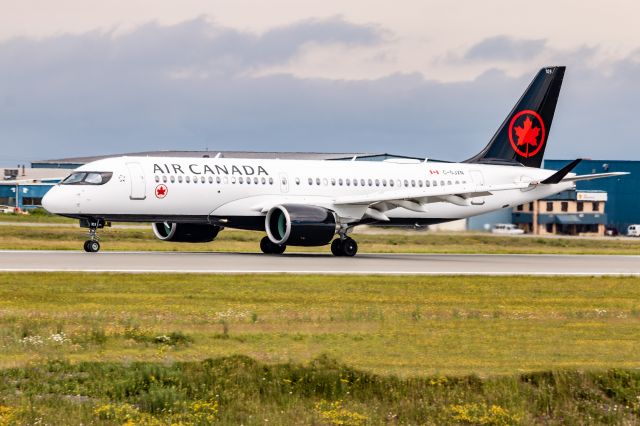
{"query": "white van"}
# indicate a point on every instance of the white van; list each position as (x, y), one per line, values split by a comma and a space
(506, 228)
(633, 231)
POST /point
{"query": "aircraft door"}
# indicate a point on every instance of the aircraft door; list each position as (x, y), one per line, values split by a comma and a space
(138, 183)
(284, 183)
(478, 179)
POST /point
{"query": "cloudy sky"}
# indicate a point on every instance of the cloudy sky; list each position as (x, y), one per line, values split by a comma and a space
(428, 78)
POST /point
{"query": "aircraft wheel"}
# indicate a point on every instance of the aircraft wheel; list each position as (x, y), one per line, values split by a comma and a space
(91, 246)
(336, 247)
(268, 247)
(349, 247)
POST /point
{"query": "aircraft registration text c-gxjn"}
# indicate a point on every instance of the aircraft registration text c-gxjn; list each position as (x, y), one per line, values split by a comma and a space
(315, 203)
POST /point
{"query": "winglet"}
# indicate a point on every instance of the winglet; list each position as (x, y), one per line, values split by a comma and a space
(560, 174)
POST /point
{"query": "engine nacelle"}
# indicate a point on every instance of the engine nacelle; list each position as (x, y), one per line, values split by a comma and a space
(185, 232)
(299, 225)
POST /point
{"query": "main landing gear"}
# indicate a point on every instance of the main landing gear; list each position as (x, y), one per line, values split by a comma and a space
(269, 247)
(346, 246)
(92, 245)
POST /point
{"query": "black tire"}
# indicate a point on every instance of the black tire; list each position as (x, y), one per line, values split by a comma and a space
(349, 247)
(269, 247)
(91, 246)
(266, 245)
(279, 248)
(336, 247)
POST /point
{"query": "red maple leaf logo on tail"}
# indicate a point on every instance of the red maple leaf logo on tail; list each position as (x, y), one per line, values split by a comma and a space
(527, 134)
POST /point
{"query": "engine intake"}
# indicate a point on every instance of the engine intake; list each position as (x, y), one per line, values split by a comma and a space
(185, 232)
(298, 225)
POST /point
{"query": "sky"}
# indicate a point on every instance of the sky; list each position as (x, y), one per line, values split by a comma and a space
(425, 78)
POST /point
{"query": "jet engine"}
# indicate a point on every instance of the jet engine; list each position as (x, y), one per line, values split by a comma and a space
(185, 232)
(300, 225)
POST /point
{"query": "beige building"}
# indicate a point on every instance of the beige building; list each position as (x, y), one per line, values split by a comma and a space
(568, 213)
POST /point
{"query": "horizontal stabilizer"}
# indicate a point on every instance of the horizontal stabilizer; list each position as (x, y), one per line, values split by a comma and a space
(593, 176)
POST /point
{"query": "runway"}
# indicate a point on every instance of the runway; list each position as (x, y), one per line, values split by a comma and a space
(306, 263)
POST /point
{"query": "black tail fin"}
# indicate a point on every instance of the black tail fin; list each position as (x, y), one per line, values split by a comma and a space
(522, 137)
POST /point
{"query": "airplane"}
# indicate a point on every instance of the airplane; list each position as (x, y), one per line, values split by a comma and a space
(309, 202)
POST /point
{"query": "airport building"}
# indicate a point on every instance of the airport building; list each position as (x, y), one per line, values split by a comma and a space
(567, 213)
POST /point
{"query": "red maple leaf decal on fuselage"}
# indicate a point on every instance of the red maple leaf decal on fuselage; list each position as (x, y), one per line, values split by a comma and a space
(527, 134)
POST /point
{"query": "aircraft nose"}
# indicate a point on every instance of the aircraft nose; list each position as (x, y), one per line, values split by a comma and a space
(51, 201)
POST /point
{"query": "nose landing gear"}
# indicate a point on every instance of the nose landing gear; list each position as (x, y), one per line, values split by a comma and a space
(92, 245)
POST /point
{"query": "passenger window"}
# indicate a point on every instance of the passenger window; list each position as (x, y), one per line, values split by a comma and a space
(377, 182)
(172, 179)
(325, 181)
(210, 179)
(264, 180)
(427, 183)
(164, 179)
(355, 182)
(413, 182)
(390, 182)
(370, 182)
(362, 182)
(255, 180)
(406, 182)
(317, 181)
(348, 181)
(340, 181)
(441, 183)
(226, 180)
(310, 181)
(233, 179)
(448, 182)
(435, 183)
(218, 180)
(179, 179)
(240, 180)
(157, 178)
(270, 181)
(333, 181)
(187, 179)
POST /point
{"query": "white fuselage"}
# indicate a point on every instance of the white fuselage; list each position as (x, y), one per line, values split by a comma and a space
(211, 189)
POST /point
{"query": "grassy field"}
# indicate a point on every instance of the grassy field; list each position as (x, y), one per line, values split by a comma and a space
(112, 348)
(58, 237)
(402, 325)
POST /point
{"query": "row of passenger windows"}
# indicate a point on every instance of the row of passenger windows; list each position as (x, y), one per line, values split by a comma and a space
(218, 179)
(311, 181)
(377, 182)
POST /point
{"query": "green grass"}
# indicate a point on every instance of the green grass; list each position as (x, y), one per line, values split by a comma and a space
(68, 238)
(239, 390)
(402, 325)
(285, 349)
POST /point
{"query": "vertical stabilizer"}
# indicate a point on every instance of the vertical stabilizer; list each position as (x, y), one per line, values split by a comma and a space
(522, 137)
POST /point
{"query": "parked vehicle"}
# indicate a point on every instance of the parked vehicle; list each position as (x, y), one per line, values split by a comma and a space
(633, 231)
(7, 209)
(611, 232)
(506, 228)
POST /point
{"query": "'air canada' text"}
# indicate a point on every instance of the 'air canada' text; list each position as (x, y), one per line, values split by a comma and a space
(217, 169)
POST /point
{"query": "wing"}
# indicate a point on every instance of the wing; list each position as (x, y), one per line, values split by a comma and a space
(421, 195)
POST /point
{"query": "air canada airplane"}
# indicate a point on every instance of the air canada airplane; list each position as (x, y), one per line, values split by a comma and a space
(307, 202)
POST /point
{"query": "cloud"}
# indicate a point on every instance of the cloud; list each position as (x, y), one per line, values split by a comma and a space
(504, 48)
(189, 86)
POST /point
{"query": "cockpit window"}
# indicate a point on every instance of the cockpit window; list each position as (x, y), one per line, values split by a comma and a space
(87, 178)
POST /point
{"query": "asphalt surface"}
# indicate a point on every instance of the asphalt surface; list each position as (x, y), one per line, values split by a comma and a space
(304, 263)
